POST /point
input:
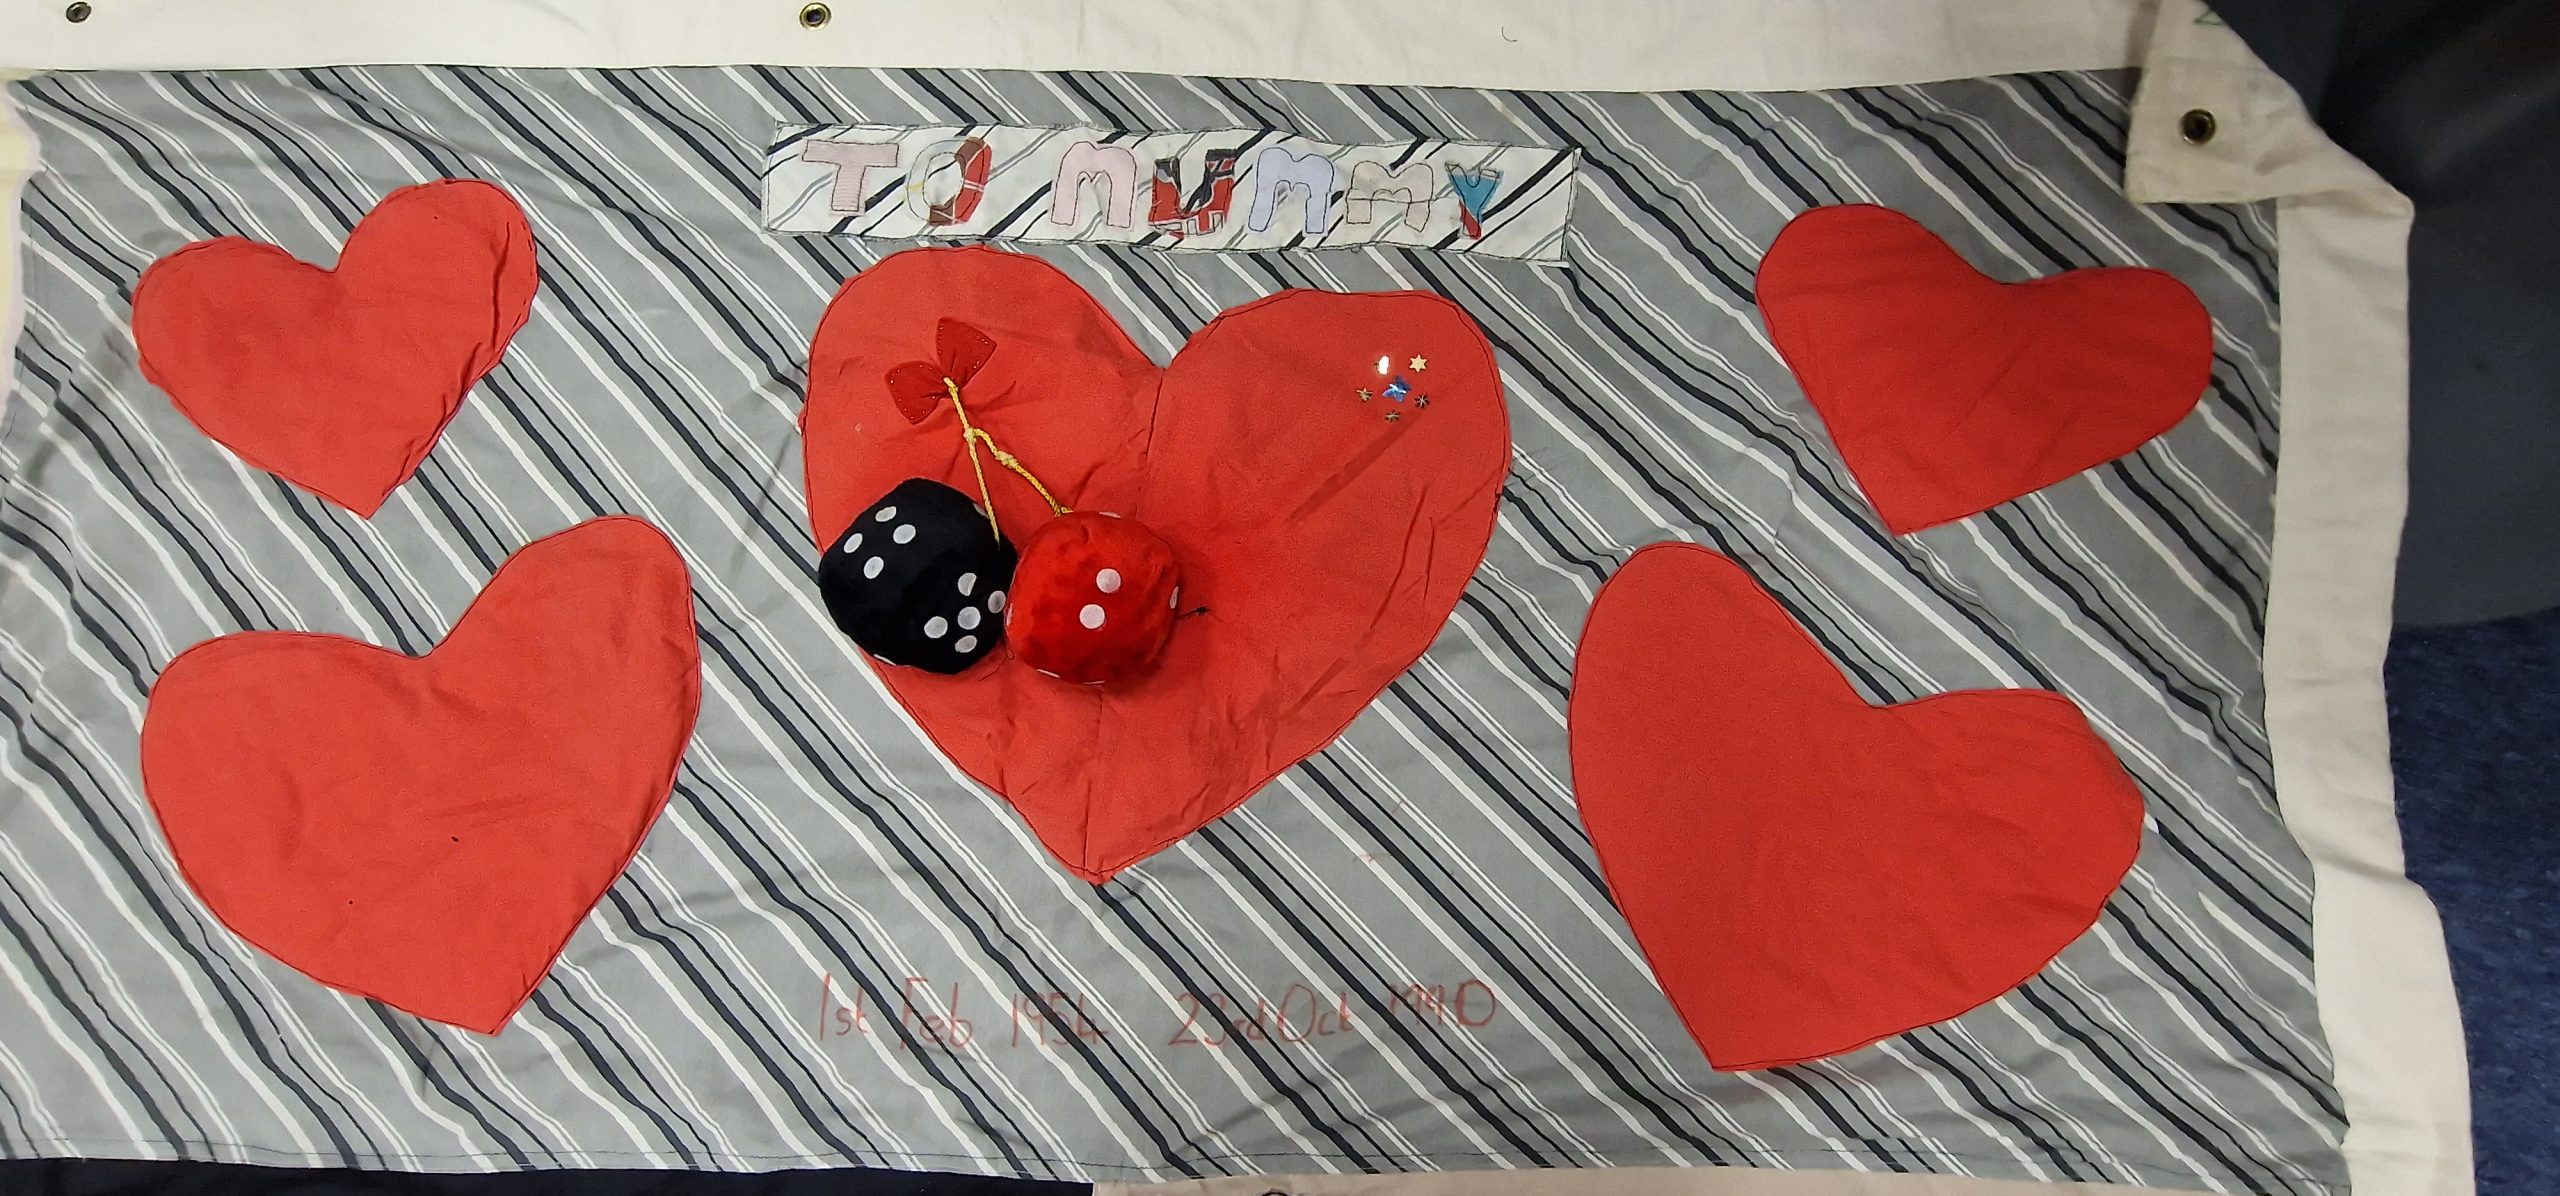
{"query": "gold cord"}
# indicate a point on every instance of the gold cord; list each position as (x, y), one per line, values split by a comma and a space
(972, 435)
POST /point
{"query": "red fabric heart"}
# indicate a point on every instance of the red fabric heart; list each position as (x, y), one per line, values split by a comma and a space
(1328, 543)
(1949, 393)
(429, 831)
(1806, 873)
(340, 380)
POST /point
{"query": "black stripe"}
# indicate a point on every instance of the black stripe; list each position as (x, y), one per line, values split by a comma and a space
(2212, 705)
(2220, 1005)
(1554, 824)
(1370, 985)
(1125, 898)
(789, 540)
(1992, 1097)
(376, 598)
(141, 685)
(1761, 146)
(656, 1107)
(83, 797)
(2072, 108)
(1527, 974)
(401, 1031)
(1666, 479)
(1833, 644)
(730, 474)
(2103, 1044)
(101, 1032)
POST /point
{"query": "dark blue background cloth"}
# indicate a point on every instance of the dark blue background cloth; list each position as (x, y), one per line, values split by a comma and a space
(2457, 102)
(2475, 717)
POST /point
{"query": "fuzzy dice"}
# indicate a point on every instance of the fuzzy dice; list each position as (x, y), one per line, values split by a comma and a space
(1093, 598)
(919, 579)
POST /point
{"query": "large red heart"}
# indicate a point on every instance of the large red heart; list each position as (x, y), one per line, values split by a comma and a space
(1327, 541)
(340, 380)
(1806, 873)
(1949, 393)
(429, 831)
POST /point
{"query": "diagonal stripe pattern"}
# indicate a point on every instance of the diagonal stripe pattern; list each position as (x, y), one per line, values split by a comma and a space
(835, 949)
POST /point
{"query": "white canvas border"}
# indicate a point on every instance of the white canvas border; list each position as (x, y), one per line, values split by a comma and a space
(1590, 45)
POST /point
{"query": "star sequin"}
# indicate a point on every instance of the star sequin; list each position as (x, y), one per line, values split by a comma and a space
(1393, 416)
(1417, 365)
(1364, 394)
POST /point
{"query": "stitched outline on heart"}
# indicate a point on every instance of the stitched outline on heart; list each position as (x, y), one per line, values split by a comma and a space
(430, 255)
(286, 802)
(1253, 393)
(1807, 873)
(1948, 392)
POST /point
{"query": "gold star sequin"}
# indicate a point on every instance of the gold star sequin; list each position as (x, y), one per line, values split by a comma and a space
(1364, 394)
(1421, 401)
(1417, 365)
(1393, 416)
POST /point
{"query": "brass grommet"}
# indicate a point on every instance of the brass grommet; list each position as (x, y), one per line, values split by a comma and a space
(2197, 126)
(813, 16)
(78, 12)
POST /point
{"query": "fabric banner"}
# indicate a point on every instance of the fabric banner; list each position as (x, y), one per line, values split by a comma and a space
(1403, 954)
(1230, 189)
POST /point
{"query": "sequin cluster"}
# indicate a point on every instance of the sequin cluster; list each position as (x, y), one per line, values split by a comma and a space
(1399, 392)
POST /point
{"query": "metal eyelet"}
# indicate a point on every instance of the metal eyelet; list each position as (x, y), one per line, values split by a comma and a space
(2197, 126)
(813, 16)
(78, 12)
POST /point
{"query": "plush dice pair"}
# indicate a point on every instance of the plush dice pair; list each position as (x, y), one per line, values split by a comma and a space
(921, 579)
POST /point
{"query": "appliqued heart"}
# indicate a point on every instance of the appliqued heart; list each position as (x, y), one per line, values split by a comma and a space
(1806, 873)
(1327, 543)
(1949, 393)
(340, 380)
(429, 831)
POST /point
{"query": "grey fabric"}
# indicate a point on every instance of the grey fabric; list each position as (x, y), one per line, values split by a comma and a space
(818, 853)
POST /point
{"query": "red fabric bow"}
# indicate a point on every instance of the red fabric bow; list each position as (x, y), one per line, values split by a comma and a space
(918, 386)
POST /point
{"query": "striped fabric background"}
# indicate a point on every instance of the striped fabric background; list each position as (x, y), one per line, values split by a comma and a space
(817, 856)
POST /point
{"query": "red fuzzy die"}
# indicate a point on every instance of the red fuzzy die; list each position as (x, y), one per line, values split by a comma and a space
(1093, 598)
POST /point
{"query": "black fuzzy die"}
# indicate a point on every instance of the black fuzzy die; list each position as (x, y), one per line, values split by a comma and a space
(919, 578)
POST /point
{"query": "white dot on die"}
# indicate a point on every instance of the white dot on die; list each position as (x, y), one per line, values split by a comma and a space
(853, 541)
(886, 514)
(1090, 616)
(872, 567)
(968, 582)
(905, 532)
(965, 644)
(968, 618)
(1107, 581)
(995, 603)
(934, 627)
